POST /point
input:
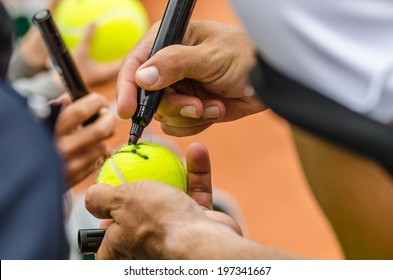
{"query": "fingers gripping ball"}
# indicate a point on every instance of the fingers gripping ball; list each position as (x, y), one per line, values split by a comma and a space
(144, 161)
(119, 25)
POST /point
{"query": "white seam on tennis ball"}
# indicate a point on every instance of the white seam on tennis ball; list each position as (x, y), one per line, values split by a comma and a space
(117, 171)
(111, 14)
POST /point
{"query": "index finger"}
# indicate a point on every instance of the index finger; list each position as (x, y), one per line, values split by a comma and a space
(78, 112)
(126, 84)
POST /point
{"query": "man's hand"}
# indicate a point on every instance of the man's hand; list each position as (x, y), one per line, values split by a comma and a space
(152, 220)
(207, 78)
(81, 147)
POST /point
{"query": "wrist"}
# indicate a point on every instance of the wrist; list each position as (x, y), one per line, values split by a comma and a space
(33, 51)
(200, 238)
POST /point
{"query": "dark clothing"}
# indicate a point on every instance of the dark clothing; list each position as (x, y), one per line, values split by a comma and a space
(5, 41)
(31, 185)
(312, 111)
(31, 178)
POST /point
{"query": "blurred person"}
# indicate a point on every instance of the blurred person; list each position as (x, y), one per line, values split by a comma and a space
(79, 148)
(30, 76)
(317, 45)
(21, 12)
(31, 174)
(31, 73)
(34, 176)
(82, 147)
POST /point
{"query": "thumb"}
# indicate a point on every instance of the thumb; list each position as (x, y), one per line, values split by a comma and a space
(170, 65)
(84, 44)
(63, 100)
(199, 175)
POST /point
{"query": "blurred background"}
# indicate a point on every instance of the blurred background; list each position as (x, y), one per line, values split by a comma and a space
(259, 176)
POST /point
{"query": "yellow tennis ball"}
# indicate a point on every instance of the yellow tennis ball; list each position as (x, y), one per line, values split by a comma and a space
(143, 161)
(119, 25)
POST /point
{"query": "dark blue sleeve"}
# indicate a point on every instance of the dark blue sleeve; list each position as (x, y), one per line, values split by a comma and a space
(31, 185)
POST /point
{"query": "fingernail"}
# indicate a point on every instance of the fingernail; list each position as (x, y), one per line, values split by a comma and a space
(149, 76)
(211, 113)
(189, 112)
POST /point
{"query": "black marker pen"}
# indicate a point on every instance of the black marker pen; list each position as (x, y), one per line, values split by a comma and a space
(89, 240)
(171, 31)
(172, 28)
(60, 57)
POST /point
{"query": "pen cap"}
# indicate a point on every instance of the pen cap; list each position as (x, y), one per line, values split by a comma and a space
(172, 28)
(89, 240)
(59, 54)
(43, 20)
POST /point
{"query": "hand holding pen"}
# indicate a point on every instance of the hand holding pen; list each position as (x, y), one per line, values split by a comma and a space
(171, 31)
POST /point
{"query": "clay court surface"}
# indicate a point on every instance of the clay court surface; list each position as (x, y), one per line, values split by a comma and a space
(261, 170)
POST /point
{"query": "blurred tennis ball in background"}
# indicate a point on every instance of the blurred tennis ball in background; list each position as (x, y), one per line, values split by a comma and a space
(119, 25)
(144, 161)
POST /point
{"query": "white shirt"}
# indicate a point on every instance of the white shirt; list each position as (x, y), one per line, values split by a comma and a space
(340, 48)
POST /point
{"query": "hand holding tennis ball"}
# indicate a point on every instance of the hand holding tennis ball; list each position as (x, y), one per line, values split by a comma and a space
(144, 161)
(159, 210)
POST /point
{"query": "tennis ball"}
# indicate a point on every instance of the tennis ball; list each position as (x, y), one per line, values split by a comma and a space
(143, 161)
(119, 25)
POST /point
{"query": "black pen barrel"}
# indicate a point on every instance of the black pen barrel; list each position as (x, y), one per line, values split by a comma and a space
(171, 31)
(61, 57)
(174, 24)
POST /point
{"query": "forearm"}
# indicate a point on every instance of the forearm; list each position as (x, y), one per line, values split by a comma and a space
(355, 194)
(33, 50)
(18, 67)
(239, 248)
(220, 242)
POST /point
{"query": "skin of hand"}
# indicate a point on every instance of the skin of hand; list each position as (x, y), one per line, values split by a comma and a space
(35, 54)
(206, 78)
(33, 50)
(53, 4)
(93, 73)
(161, 216)
(151, 220)
(81, 147)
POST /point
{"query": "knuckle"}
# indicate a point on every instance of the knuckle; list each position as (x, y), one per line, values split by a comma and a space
(89, 198)
(170, 59)
(103, 132)
(80, 113)
(98, 99)
(66, 150)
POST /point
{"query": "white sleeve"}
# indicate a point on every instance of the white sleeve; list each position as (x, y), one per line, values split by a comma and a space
(42, 84)
(340, 48)
(29, 82)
